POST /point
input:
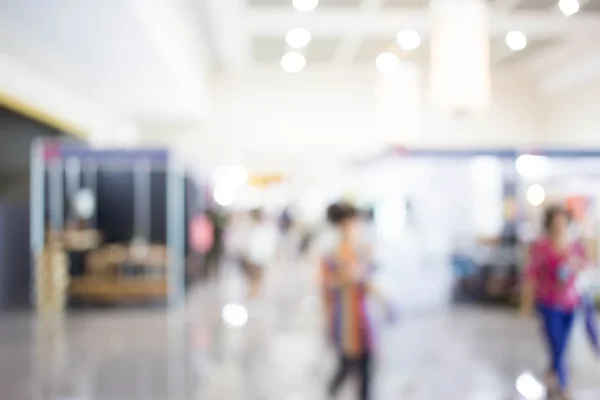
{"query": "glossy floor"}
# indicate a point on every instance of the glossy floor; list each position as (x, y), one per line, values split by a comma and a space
(434, 352)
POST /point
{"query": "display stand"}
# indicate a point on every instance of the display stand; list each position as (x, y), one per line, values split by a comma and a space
(118, 217)
(569, 178)
(452, 204)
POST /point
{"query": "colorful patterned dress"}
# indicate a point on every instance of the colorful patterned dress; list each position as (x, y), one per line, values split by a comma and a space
(350, 325)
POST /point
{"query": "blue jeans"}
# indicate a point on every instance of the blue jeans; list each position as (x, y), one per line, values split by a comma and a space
(557, 326)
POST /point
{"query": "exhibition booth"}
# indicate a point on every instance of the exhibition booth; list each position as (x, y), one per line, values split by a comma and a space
(567, 178)
(480, 209)
(130, 225)
(449, 215)
(109, 225)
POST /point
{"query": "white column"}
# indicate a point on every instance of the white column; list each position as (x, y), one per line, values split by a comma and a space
(398, 113)
(117, 134)
(460, 55)
(487, 205)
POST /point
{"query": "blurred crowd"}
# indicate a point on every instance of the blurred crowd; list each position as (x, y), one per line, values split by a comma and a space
(341, 250)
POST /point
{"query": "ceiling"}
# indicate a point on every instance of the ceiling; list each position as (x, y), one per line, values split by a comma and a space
(354, 32)
(114, 54)
(347, 35)
(421, 4)
(150, 60)
(16, 136)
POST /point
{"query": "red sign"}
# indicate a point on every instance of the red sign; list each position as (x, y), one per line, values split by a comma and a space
(201, 234)
(577, 207)
(51, 151)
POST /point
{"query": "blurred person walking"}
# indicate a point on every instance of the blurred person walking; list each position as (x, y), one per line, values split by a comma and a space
(369, 232)
(214, 254)
(285, 221)
(346, 280)
(289, 238)
(550, 287)
(259, 248)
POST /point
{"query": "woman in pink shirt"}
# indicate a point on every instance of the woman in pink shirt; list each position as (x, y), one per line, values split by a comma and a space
(550, 284)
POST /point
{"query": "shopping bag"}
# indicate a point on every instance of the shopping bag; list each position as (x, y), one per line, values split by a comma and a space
(385, 300)
(392, 313)
(588, 284)
(591, 323)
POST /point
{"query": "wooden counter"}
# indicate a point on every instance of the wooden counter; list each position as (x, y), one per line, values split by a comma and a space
(116, 290)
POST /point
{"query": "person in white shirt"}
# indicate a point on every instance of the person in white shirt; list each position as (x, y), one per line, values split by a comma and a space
(260, 248)
(368, 239)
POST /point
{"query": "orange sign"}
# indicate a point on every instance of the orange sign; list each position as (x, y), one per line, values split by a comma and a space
(577, 207)
(201, 234)
(264, 180)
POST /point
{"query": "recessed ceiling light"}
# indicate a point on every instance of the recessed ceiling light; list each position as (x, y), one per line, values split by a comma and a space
(387, 62)
(230, 176)
(535, 194)
(408, 39)
(293, 62)
(569, 7)
(305, 5)
(530, 166)
(298, 38)
(224, 196)
(234, 315)
(516, 40)
(529, 387)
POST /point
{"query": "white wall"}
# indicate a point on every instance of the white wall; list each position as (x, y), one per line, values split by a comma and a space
(514, 119)
(29, 87)
(573, 117)
(269, 120)
(270, 116)
(79, 61)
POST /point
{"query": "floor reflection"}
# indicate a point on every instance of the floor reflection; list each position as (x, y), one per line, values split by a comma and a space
(277, 353)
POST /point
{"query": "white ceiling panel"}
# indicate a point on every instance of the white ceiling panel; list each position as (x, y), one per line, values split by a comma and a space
(268, 49)
(591, 6)
(536, 5)
(371, 47)
(97, 48)
(512, 57)
(405, 4)
(339, 3)
(321, 50)
(322, 3)
(270, 3)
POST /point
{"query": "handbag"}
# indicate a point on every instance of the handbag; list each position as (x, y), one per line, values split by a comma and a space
(588, 285)
(591, 322)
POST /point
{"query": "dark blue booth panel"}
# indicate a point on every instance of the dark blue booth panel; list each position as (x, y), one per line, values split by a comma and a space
(15, 267)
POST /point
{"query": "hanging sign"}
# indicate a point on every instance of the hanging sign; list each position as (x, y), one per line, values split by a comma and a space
(262, 181)
(201, 234)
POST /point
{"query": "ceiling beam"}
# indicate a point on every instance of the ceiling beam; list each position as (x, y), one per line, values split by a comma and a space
(171, 26)
(583, 70)
(551, 55)
(536, 25)
(28, 92)
(347, 50)
(351, 43)
(506, 6)
(233, 41)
